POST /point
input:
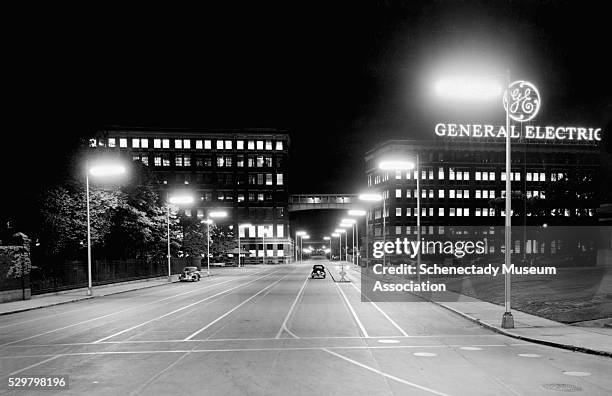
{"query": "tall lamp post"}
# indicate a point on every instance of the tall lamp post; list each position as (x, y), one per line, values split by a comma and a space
(298, 234)
(354, 213)
(336, 235)
(350, 223)
(101, 171)
(326, 238)
(302, 244)
(521, 102)
(211, 215)
(341, 231)
(240, 226)
(372, 197)
(183, 199)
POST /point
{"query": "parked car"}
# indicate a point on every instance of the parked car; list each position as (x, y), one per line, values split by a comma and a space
(318, 271)
(190, 274)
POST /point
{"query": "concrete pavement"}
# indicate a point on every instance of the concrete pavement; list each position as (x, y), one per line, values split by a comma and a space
(273, 331)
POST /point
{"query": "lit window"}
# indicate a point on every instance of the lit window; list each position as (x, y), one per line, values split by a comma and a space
(260, 197)
(485, 176)
(423, 212)
(423, 193)
(186, 143)
(478, 194)
(477, 175)
(466, 211)
(477, 212)
(92, 142)
(431, 211)
(423, 175)
(200, 213)
(398, 212)
(111, 142)
(466, 193)
(431, 193)
(459, 211)
(207, 144)
(492, 176)
(166, 161)
(466, 175)
(440, 193)
(166, 143)
(228, 144)
(408, 193)
(122, 142)
(187, 160)
(188, 212)
(279, 179)
(157, 161)
(459, 175)
(260, 145)
(279, 145)
(220, 161)
(451, 193)
(268, 144)
(219, 144)
(240, 144)
(451, 173)
(408, 211)
(440, 173)
(440, 211)
(178, 143)
(156, 143)
(398, 193)
(178, 160)
(408, 175)
(485, 211)
(251, 145)
(459, 193)
(398, 175)
(542, 177)
(528, 176)
(431, 173)
(280, 231)
(144, 143)
(199, 145)
(240, 199)
(268, 179)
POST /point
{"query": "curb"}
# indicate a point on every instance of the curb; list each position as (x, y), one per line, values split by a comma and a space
(81, 299)
(495, 329)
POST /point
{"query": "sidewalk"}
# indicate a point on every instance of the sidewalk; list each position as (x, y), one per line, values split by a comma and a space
(50, 299)
(527, 327)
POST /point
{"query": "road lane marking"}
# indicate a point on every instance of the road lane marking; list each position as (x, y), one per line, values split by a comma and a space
(412, 384)
(284, 325)
(195, 333)
(182, 308)
(247, 350)
(363, 330)
(33, 365)
(127, 309)
(424, 354)
(382, 312)
(153, 378)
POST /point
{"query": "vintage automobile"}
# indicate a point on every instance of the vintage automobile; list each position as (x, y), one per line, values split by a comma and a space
(190, 274)
(318, 271)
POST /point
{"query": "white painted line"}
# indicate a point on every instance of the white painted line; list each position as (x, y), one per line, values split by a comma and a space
(382, 312)
(577, 373)
(470, 348)
(284, 325)
(412, 384)
(424, 354)
(32, 366)
(363, 330)
(181, 309)
(118, 312)
(388, 341)
(195, 333)
(273, 349)
(153, 378)
(529, 355)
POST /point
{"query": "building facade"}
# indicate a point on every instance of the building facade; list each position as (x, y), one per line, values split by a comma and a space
(462, 188)
(243, 172)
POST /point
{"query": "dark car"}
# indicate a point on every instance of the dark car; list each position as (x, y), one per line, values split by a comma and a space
(190, 274)
(318, 271)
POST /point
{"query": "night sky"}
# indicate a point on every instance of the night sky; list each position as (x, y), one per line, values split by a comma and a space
(339, 77)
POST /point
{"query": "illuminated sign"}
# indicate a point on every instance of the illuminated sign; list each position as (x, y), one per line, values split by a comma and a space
(524, 101)
(530, 132)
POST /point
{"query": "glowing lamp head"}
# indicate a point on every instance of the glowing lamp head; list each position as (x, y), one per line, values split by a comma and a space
(181, 199)
(349, 221)
(370, 197)
(207, 221)
(356, 212)
(306, 237)
(468, 88)
(340, 230)
(107, 170)
(335, 235)
(300, 233)
(326, 238)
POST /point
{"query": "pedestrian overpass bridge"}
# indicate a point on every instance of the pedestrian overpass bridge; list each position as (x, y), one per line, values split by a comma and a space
(298, 202)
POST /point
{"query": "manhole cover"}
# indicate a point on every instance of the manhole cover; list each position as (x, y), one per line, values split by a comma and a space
(562, 387)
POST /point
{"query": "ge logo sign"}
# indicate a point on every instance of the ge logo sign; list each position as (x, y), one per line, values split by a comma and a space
(524, 101)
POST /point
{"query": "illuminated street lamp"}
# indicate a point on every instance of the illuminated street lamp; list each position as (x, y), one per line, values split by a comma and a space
(102, 170)
(347, 225)
(213, 214)
(372, 197)
(298, 234)
(357, 213)
(353, 224)
(340, 231)
(183, 199)
(521, 102)
(239, 250)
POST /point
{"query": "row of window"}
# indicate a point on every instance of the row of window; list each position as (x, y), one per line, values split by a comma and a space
(221, 161)
(199, 144)
(478, 212)
(456, 194)
(227, 179)
(459, 174)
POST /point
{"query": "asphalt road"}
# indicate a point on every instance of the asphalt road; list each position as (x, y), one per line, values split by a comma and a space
(269, 330)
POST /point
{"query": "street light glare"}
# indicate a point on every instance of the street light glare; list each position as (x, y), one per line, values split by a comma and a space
(396, 165)
(306, 237)
(340, 230)
(468, 88)
(326, 238)
(345, 225)
(107, 170)
(335, 235)
(219, 213)
(300, 233)
(370, 197)
(356, 212)
(181, 199)
(349, 221)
